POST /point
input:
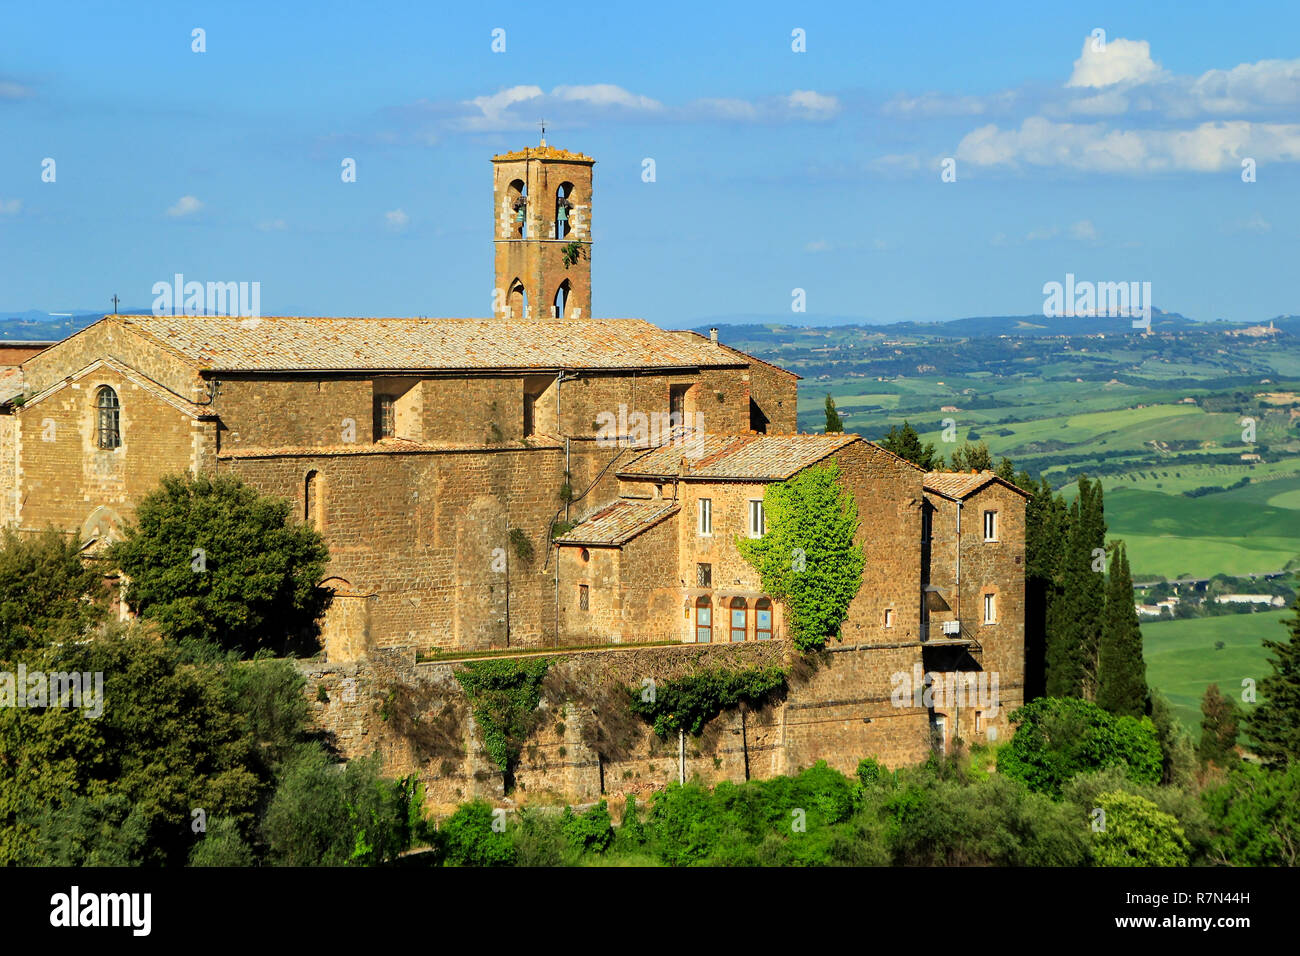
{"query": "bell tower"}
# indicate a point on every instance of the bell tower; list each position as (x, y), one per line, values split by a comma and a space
(542, 232)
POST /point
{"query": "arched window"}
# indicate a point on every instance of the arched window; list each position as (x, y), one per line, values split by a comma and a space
(763, 619)
(561, 300)
(703, 620)
(739, 618)
(563, 208)
(108, 425)
(517, 197)
(311, 499)
(517, 301)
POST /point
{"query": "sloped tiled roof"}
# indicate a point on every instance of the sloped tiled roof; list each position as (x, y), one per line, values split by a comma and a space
(11, 382)
(757, 457)
(223, 343)
(958, 484)
(620, 522)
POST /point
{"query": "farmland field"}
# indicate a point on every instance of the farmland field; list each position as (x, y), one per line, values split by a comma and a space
(1182, 660)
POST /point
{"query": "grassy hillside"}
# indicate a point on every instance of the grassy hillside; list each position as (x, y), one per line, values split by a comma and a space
(1182, 660)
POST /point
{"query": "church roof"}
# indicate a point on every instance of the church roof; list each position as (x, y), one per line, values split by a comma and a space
(221, 343)
(619, 522)
(754, 457)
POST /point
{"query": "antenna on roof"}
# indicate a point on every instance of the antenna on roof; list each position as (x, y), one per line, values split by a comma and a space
(115, 305)
(542, 124)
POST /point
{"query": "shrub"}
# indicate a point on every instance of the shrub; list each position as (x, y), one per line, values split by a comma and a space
(466, 838)
(1058, 737)
(1137, 833)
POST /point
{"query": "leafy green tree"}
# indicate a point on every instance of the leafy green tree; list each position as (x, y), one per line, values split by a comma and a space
(326, 815)
(467, 838)
(46, 591)
(833, 422)
(972, 456)
(1256, 816)
(1178, 763)
(1275, 722)
(1220, 719)
(590, 831)
(1046, 523)
(808, 558)
(1136, 833)
(906, 443)
(1057, 738)
(166, 741)
(222, 845)
(212, 560)
(1121, 671)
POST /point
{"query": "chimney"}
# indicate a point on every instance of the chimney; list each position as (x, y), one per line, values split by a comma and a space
(713, 336)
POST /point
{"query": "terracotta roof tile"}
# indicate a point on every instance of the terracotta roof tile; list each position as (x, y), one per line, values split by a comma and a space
(223, 343)
(757, 457)
(620, 522)
(958, 484)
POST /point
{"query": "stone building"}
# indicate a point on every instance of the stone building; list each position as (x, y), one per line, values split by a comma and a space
(438, 457)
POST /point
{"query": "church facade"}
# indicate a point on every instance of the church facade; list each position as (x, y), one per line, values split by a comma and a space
(537, 479)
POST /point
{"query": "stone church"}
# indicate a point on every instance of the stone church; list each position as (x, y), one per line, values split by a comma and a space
(541, 478)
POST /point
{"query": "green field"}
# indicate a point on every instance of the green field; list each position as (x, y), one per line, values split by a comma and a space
(1182, 662)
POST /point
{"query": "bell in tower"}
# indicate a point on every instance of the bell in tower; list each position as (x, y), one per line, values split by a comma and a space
(542, 199)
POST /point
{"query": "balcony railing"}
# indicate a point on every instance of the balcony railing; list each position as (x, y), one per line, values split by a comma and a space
(948, 632)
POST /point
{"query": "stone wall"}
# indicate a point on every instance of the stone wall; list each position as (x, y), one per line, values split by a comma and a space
(840, 713)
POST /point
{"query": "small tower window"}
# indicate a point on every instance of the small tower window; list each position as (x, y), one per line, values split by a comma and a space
(518, 200)
(311, 499)
(562, 210)
(517, 301)
(561, 300)
(108, 430)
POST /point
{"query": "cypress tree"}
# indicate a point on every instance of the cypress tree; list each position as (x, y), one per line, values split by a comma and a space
(1220, 717)
(833, 422)
(1275, 723)
(1078, 606)
(1121, 671)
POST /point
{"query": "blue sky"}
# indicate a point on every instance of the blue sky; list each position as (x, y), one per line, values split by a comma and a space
(775, 170)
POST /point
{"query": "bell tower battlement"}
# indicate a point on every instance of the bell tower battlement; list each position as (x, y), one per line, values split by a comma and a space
(542, 231)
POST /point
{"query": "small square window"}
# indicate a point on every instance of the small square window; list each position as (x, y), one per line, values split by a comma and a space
(704, 575)
(584, 597)
(990, 526)
(757, 519)
(706, 517)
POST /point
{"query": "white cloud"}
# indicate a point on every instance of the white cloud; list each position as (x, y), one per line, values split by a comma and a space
(185, 206)
(396, 219)
(813, 102)
(10, 207)
(273, 225)
(1118, 61)
(13, 91)
(819, 245)
(1084, 231)
(605, 94)
(1256, 223)
(1209, 147)
(494, 109)
(1042, 235)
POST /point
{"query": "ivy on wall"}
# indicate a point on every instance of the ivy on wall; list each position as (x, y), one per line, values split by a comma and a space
(688, 703)
(807, 559)
(503, 696)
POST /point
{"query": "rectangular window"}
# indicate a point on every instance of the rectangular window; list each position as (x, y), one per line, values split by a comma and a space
(385, 418)
(990, 609)
(979, 721)
(889, 617)
(757, 519)
(990, 526)
(584, 597)
(704, 575)
(706, 517)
